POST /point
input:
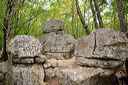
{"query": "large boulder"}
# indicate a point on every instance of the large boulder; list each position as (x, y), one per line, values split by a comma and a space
(28, 75)
(25, 46)
(26, 50)
(85, 76)
(102, 48)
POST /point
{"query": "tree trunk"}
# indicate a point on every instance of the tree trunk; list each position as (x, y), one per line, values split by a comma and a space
(82, 18)
(6, 28)
(4, 52)
(98, 14)
(94, 15)
(121, 15)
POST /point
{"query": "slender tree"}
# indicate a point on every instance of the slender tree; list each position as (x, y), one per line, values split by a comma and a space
(121, 15)
(7, 26)
(98, 14)
(94, 15)
(82, 18)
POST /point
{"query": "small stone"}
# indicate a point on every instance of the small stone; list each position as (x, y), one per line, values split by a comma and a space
(40, 59)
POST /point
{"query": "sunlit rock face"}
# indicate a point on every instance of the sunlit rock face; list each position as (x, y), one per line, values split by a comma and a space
(102, 48)
(54, 42)
(25, 46)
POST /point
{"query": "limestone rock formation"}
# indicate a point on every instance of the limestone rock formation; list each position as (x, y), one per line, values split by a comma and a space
(55, 43)
(97, 57)
(25, 46)
(85, 76)
(25, 61)
(102, 48)
(63, 72)
(28, 75)
(67, 72)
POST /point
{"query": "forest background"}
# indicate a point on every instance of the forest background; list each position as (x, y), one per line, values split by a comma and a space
(80, 17)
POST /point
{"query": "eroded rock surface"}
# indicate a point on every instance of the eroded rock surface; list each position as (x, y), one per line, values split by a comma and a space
(102, 48)
(28, 75)
(25, 46)
(85, 76)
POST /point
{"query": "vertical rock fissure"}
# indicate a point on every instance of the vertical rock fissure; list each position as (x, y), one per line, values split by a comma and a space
(94, 43)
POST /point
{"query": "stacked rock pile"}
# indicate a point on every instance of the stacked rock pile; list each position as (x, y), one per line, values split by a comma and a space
(55, 43)
(27, 68)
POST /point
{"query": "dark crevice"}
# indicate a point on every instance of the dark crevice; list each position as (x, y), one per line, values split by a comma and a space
(94, 43)
(112, 59)
(116, 44)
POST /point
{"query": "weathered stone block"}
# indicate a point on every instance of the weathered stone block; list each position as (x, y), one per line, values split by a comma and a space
(59, 43)
(102, 44)
(25, 46)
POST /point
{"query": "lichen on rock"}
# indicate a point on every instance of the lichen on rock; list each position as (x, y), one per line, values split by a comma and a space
(25, 46)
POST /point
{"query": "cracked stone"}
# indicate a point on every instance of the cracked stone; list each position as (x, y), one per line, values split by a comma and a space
(102, 44)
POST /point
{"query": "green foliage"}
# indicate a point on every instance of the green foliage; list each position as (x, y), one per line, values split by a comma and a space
(29, 16)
